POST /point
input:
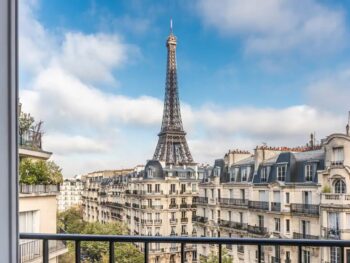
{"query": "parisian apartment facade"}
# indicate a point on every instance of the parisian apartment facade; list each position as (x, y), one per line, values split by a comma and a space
(70, 193)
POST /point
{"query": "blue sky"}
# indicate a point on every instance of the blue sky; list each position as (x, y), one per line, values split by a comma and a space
(249, 71)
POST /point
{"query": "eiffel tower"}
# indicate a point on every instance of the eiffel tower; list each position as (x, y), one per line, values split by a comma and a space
(172, 147)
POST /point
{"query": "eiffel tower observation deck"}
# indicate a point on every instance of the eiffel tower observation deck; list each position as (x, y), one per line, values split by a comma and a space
(172, 147)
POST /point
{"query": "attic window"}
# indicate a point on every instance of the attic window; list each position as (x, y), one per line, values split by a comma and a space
(150, 172)
(245, 173)
(309, 172)
(281, 172)
(264, 173)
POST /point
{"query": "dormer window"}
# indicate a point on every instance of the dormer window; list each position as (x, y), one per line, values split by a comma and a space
(281, 172)
(309, 172)
(232, 175)
(264, 173)
(217, 171)
(245, 172)
(338, 156)
(150, 172)
(339, 187)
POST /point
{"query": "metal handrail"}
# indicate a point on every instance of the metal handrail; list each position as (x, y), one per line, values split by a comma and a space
(259, 242)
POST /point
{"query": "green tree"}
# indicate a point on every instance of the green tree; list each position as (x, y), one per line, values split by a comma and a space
(214, 258)
(25, 122)
(71, 221)
(39, 172)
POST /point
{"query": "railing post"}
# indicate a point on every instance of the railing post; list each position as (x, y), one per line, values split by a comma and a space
(182, 252)
(45, 251)
(77, 251)
(300, 254)
(220, 253)
(146, 252)
(259, 253)
(342, 258)
(111, 252)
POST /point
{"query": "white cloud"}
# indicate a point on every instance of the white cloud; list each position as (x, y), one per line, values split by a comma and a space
(93, 57)
(76, 144)
(331, 92)
(277, 25)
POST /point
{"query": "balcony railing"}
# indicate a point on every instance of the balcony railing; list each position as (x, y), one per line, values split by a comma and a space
(258, 230)
(33, 249)
(335, 199)
(260, 205)
(332, 233)
(112, 240)
(305, 209)
(304, 236)
(276, 206)
(231, 224)
(173, 206)
(200, 219)
(152, 206)
(233, 202)
(30, 139)
(38, 189)
(200, 200)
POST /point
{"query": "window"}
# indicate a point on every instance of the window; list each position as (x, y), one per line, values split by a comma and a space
(263, 177)
(230, 216)
(338, 156)
(212, 214)
(287, 198)
(281, 172)
(172, 188)
(194, 187)
(183, 214)
(219, 214)
(241, 217)
(261, 220)
(212, 193)
(157, 231)
(308, 172)
(306, 256)
(335, 254)
(149, 188)
(29, 222)
(231, 193)
(242, 194)
(339, 187)
(245, 173)
(277, 224)
(157, 188)
(287, 225)
(232, 174)
(183, 188)
(150, 172)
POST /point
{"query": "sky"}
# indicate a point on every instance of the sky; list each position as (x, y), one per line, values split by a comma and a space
(249, 71)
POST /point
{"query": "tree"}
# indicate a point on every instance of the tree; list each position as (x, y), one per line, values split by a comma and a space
(214, 258)
(25, 122)
(71, 222)
(39, 172)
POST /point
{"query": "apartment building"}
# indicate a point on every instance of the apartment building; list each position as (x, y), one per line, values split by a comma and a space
(298, 193)
(37, 206)
(154, 200)
(70, 193)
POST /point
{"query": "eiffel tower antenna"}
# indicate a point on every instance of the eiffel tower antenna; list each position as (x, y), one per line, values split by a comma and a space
(171, 25)
(172, 147)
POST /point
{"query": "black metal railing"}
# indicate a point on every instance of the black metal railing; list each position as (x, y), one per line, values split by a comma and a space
(233, 202)
(200, 200)
(306, 209)
(200, 219)
(332, 233)
(276, 206)
(304, 236)
(31, 250)
(260, 205)
(146, 240)
(258, 230)
(232, 224)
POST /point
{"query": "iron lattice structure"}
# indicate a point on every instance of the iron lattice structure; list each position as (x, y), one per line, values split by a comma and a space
(172, 147)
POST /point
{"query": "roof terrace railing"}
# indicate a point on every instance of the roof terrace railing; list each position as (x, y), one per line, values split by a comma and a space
(146, 240)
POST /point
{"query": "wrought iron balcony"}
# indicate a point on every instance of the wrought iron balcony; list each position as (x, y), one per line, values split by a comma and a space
(184, 220)
(135, 205)
(231, 224)
(305, 209)
(200, 219)
(233, 202)
(276, 206)
(146, 240)
(173, 206)
(200, 200)
(258, 230)
(151, 206)
(184, 205)
(260, 205)
(332, 233)
(304, 236)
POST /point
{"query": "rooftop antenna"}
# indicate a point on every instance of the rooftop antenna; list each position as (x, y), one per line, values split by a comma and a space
(348, 125)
